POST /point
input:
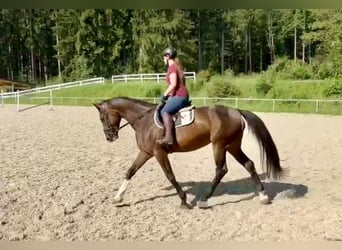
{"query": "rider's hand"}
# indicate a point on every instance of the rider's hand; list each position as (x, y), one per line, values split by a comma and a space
(164, 98)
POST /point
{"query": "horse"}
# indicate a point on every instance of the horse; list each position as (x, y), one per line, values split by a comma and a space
(217, 124)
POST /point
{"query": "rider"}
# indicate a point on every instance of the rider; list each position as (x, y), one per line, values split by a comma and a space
(176, 95)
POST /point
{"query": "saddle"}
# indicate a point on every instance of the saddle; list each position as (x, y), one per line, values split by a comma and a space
(183, 117)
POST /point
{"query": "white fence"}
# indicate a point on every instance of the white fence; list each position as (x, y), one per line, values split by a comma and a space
(319, 106)
(18, 94)
(146, 77)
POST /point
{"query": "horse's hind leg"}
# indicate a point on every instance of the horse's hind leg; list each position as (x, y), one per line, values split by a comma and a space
(242, 158)
(221, 167)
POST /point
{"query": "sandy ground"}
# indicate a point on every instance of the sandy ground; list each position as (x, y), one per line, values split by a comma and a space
(58, 178)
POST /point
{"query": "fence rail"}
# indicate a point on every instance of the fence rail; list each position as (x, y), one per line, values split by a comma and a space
(145, 77)
(17, 95)
(319, 106)
(54, 87)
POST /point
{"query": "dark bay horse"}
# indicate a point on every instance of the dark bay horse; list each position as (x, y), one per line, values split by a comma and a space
(219, 125)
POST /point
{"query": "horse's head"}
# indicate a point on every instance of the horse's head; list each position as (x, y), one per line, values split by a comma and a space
(110, 120)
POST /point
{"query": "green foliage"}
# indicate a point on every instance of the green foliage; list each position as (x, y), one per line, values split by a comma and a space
(290, 69)
(263, 88)
(202, 78)
(154, 91)
(204, 75)
(282, 89)
(77, 43)
(327, 31)
(279, 65)
(334, 89)
(195, 86)
(324, 69)
(222, 88)
(155, 29)
(265, 82)
(228, 73)
(300, 71)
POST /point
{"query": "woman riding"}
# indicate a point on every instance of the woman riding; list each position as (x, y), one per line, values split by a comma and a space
(176, 95)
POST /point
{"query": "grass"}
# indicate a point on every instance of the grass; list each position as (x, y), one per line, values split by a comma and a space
(109, 90)
(282, 89)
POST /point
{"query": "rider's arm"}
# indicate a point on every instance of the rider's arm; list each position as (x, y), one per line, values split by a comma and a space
(173, 84)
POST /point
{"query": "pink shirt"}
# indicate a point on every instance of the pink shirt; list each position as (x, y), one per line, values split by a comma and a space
(180, 89)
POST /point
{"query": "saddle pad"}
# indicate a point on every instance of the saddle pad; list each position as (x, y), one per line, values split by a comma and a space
(184, 117)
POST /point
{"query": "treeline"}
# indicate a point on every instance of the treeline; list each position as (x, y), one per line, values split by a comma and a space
(40, 45)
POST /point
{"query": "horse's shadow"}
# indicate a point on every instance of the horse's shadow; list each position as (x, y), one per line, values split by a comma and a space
(243, 186)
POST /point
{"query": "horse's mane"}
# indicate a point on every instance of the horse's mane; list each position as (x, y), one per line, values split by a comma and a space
(116, 100)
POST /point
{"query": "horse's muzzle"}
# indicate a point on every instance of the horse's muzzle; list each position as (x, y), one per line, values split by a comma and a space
(112, 136)
(112, 139)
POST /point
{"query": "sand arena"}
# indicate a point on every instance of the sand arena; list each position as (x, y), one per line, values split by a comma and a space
(58, 177)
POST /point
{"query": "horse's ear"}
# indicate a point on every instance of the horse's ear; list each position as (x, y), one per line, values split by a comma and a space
(97, 106)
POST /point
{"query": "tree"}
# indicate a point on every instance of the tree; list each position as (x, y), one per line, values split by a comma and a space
(327, 34)
(41, 44)
(154, 30)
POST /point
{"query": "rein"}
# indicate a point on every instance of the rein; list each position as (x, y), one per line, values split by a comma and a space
(139, 117)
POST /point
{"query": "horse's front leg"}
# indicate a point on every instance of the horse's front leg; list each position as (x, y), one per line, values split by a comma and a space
(164, 162)
(137, 164)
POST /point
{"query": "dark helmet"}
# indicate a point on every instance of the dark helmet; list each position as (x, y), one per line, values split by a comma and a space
(171, 52)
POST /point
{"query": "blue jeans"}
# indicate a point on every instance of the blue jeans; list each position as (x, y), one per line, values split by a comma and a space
(174, 104)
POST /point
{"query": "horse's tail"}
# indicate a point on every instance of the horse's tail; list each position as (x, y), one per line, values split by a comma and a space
(268, 150)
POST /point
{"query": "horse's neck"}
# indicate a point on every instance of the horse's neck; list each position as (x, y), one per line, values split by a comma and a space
(130, 115)
(132, 112)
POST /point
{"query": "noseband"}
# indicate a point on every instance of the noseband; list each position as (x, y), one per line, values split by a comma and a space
(110, 130)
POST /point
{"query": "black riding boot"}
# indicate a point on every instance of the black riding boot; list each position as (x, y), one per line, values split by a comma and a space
(168, 124)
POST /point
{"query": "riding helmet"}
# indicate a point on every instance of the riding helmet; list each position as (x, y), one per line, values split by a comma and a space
(171, 52)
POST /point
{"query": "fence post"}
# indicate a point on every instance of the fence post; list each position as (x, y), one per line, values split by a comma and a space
(125, 78)
(236, 102)
(17, 98)
(2, 97)
(316, 106)
(194, 73)
(157, 77)
(141, 78)
(273, 105)
(50, 99)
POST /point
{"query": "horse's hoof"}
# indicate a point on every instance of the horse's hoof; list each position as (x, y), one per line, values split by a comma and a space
(206, 203)
(202, 204)
(117, 199)
(265, 201)
(264, 198)
(186, 205)
(191, 200)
